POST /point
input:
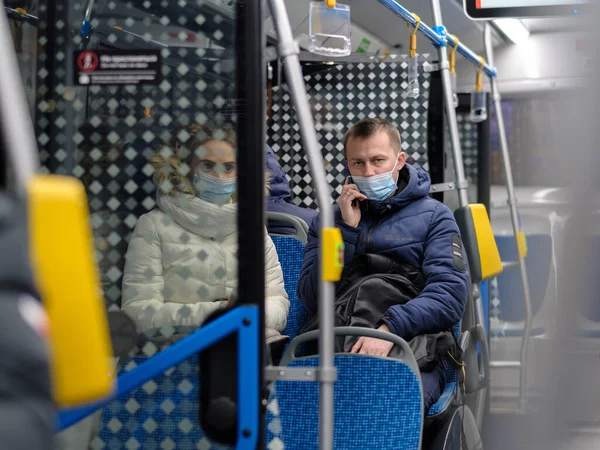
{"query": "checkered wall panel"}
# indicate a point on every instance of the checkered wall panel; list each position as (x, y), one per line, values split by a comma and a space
(340, 97)
(468, 134)
(106, 136)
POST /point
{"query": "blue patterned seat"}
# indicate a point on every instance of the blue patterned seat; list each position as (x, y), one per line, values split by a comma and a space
(539, 265)
(370, 411)
(165, 410)
(590, 294)
(291, 256)
(163, 413)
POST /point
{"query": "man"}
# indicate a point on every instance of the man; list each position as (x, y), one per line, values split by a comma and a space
(384, 208)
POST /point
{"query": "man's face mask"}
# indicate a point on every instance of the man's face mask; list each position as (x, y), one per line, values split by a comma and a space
(212, 189)
(378, 187)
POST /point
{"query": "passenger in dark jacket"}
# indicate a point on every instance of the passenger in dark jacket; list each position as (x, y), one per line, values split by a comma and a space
(385, 208)
(280, 197)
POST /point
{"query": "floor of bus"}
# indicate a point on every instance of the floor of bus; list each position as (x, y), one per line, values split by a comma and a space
(503, 431)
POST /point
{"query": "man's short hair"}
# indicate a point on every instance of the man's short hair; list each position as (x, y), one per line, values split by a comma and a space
(366, 128)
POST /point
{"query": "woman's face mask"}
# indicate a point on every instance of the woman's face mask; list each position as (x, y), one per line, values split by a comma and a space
(215, 178)
(212, 189)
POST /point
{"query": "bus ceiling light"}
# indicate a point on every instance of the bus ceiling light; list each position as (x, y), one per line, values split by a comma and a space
(513, 29)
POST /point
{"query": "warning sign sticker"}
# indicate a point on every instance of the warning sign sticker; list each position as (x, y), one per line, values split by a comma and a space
(93, 67)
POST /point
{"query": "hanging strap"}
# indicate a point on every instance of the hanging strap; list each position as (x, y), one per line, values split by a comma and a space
(413, 36)
(453, 56)
(479, 78)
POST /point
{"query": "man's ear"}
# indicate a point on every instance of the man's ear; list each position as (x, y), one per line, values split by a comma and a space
(401, 160)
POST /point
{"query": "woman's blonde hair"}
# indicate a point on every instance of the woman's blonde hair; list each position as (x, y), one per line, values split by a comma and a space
(173, 161)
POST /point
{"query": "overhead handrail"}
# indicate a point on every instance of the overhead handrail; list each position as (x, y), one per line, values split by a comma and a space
(22, 15)
(438, 35)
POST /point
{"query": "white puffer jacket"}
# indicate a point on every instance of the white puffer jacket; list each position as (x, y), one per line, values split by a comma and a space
(182, 257)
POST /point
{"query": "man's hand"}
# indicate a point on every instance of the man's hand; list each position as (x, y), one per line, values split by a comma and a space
(373, 346)
(349, 204)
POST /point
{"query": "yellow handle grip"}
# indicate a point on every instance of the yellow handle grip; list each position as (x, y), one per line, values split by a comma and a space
(333, 254)
(65, 271)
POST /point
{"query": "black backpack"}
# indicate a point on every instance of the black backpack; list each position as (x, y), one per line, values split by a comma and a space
(371, 286)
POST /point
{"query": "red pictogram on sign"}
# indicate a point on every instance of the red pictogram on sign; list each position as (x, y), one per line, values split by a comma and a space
(87, 61)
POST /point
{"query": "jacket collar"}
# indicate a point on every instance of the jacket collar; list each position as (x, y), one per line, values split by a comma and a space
(198, 216)
(413, 184)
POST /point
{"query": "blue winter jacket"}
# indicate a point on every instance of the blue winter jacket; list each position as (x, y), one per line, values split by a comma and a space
(413, 228)
(280, 197)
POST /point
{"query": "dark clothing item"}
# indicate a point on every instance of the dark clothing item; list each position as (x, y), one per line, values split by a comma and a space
(409, 227)
(374, 284)
(26, 407)
(433, 386)
(280, 198)
(15, 269)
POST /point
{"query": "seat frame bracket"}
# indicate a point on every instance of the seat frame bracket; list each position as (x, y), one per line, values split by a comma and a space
(299, 374)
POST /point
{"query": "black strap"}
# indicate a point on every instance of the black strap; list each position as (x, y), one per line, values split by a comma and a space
(436, 131)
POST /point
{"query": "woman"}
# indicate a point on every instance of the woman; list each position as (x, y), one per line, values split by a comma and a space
(181, 263)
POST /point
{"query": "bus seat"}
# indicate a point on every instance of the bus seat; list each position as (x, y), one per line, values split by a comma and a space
(591, 304)
(163, 413)
(450, 390)
(291, 256)
(589, 324)
(297, 227)
(478, 240)
(165, 409)
(367, 412)
(539, 265)
(66, 273)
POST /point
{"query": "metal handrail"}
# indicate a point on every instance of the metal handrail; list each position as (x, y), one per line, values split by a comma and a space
(16, 126)
(512, 204)
(438, 35)
(288, 52)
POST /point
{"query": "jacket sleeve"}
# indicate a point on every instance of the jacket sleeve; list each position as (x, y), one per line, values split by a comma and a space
(441, 303)
(279, 188)
(277, 302)
(308, 283)
(143, 285)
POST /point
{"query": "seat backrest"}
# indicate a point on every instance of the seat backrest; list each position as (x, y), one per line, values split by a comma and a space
(590, 303)
(377, 404)
(287, 224)
(291, 256)
(163, 413)
(478, 240)
(538, 263)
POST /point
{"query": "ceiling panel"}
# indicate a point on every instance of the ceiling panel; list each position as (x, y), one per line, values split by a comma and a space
(549, 25)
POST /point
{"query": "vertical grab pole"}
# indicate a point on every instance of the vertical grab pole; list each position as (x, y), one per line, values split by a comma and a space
(15, 119)
(461, 184)
(512, 204)
(288, 51)
(459, 168)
